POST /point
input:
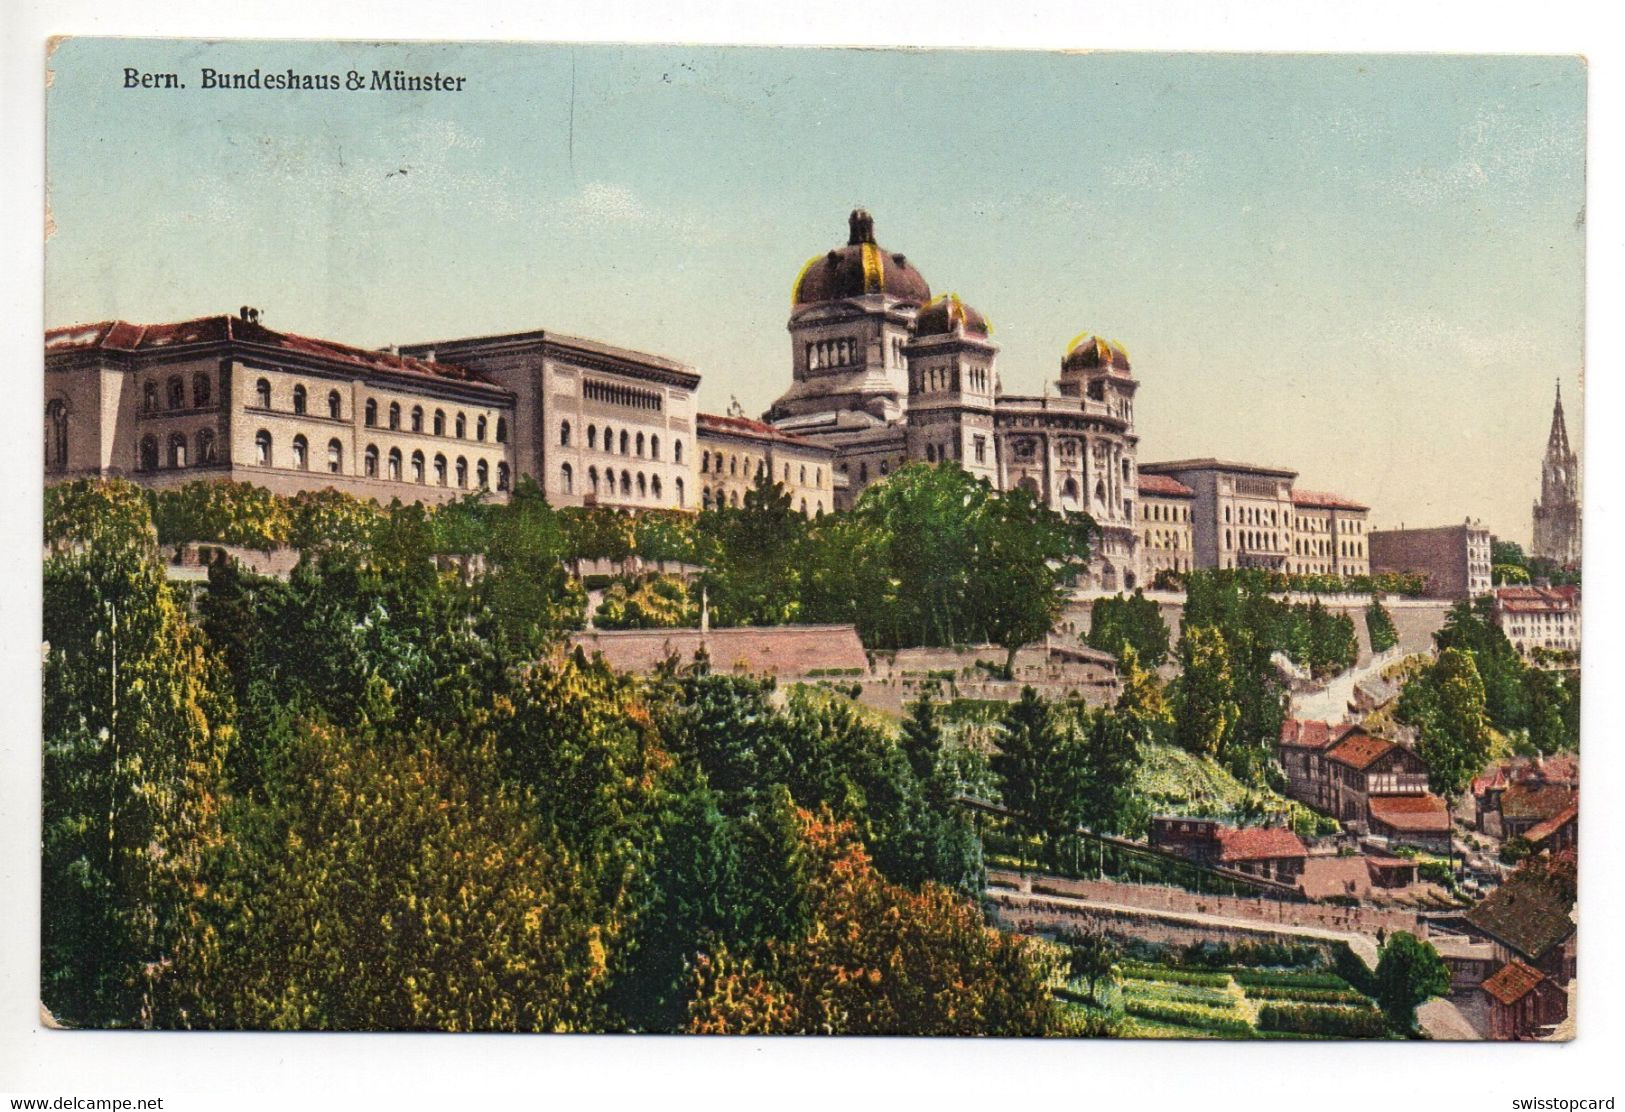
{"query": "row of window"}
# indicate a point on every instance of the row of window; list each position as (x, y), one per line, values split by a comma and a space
(175, 392)
(646, 486)
(831, 353)
(1252, 515)
(394, 463)
(948, 378)
(1162, 511)
(200, 451)
(1166, 538)
(714, 463)
(335, 411)
(1318, 525)
(1254, 539)
(630, 444)
(719, 498)
(616, 394)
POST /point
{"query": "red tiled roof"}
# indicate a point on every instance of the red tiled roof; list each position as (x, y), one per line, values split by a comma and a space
(1537, 600)
(1513, 981)
(1415, 814)
(121, 335)
(755, 430)
(1320, 500)
(1536, 801)
(1164, 485)
(1303, 733)
(1258, 843)
(1541, 831)
(1359, 749)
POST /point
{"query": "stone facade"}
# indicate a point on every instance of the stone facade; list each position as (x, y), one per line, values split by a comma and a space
(224, 397)
(1329, 535)
(1539, 618)
(1454, 558)
(1557, 514)
(1165, 526)
(883, 374)
(735, 452)
(1241, 514)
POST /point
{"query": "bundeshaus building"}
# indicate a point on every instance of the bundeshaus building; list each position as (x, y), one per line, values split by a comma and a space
(882, 373)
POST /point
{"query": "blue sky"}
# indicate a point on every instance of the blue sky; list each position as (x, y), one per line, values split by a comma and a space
(1369, 269)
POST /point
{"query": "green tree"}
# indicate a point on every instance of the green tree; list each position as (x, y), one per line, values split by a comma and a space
(526, 589)
(753, 558)
(1042, 770)
(922, 737)
(1091, 957)
(1379, 625)
(1205, 710)
(1409, 972)
(1446, 705)
(1118, 622)
(137, 724)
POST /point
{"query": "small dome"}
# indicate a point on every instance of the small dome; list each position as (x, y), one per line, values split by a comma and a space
(1091, 353)
(861, 267)
(943, 313)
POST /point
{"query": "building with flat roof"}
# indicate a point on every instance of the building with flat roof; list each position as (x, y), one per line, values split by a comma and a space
(1454, 559)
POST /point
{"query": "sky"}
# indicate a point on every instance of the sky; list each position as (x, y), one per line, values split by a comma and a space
(1369, 269)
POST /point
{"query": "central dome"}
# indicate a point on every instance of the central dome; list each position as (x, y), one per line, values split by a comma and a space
(861, 267)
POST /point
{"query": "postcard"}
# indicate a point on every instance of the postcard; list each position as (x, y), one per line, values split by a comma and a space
(722, 540)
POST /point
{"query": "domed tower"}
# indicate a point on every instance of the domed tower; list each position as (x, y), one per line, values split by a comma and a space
(952, 382)
(1098, 370)
(852, 312)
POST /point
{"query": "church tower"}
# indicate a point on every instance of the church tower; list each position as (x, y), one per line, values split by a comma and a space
(1557, 514)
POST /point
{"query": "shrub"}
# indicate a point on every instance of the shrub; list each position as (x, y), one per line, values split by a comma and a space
(1223, 1020)
(1321, 1019)
(1139, 972)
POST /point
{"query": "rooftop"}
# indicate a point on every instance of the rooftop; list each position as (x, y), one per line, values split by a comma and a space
(1208, 463)
(1164, 485)
(1541, 831)
(1536, 801)
(1513, 981)
(1320, 500)
(1412, 814)
(1529, 913)
(1537, 600)
(122, 336)
(1360, 750)
(755, 430)
(1258, 843)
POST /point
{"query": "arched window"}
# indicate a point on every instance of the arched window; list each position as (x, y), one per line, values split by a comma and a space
(643, 486)
(177, 393)
(502, 430)
(1125, 471)
(335, 457)
(147, 456)
(818, 477)
(372, 413)
(149, 396)
(394, 415)
(462, 473)
(439, 470)
(803, 474)
(502, 475)
(177, 449)
(733, 465)
(761, 467)
(440, 422)
(205, 446)
(482, 474)
(56, 434)
(262, 393)
(609, 439)
(417, 418)
(418, 473)
(567, 479)
(395, 464)
(705, 463)
(1100, 490)
(299, 399)
(592, 436)
(462, 427)
(626, 442)
(609, 480)
(369, 462)
(654, 447)
(680, 501)
(863, 472)
(733, 499)
(301, 453)
(640, 445)
(592, 479)
(626, 484)
(201, 390)
(564, 434)
(787, 467)
(677, 451)
(654, 486)
(335, 405)
(803, 506)
(705, 497)
(1069, 489)
(479, 428)
(262, 448)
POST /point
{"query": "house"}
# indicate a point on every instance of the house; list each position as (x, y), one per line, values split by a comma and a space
(1530, 917)
(1558, 833)
(1530, 806)
(1271, 852)
(1523, 1001)
(1422, 821)
(1527, 806)
(1360, 766)
(1535, 618)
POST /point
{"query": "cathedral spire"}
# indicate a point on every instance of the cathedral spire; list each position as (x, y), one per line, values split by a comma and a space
(1557, 514)
(1558, 441)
